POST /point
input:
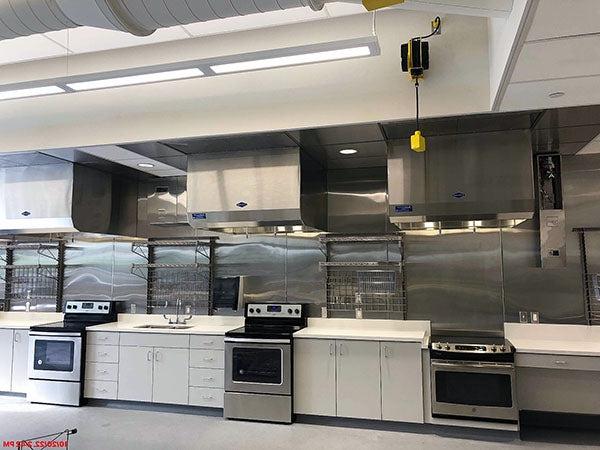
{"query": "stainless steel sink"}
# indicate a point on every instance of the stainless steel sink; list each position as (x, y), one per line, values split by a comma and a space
(165, 327)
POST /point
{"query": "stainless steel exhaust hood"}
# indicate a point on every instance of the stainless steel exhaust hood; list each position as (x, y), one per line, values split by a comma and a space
(479, 179)
(256, 191)
(54, 198)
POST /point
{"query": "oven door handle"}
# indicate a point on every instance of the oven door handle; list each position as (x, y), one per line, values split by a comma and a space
(53, 334)
(258, 341)
(474, 365)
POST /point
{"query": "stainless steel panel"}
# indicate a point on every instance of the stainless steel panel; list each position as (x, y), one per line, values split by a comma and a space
(478, 176)
(269, 408)
(89, 268)
(552, 238)
(127, 289)
(454, 279)
(54, 392)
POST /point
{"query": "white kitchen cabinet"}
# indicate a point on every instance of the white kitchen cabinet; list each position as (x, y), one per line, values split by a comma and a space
(401, 382)
(170, 375)
(135, 373)
(6, 358)
(314, 377)
(358, 379)
(19, 364)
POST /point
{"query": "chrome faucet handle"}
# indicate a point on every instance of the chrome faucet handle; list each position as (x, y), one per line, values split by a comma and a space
(170, 319)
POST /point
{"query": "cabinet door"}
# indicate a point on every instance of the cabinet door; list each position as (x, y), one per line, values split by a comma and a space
(314, 377)
(171, 375)
(358, 379)
(401, 382)
(135, 373)
(19, 364)
(6, 357)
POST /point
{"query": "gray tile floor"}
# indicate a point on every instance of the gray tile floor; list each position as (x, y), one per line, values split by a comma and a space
(117, 428)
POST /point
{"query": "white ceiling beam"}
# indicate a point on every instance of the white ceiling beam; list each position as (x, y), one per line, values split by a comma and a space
(479, 8)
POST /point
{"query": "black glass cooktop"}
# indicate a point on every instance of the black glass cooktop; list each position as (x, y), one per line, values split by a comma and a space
(264, 331)
(62, 326)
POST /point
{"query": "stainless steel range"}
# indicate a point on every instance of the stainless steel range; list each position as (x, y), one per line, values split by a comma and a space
(258, 363)
(57, 353)
(473, 377)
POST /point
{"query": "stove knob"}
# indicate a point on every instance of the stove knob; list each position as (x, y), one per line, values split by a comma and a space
(447, 347)
(290, 311)
(503, 348)
(439, 346)
(106, 307)
(493, 349)
(251, 310)
(297, 311)
(99, 306)
(257, 310)
(68, 306)
(74, 306)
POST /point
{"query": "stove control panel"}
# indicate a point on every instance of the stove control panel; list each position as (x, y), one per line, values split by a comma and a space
(87, 307)
(274, 310)
(471, 348)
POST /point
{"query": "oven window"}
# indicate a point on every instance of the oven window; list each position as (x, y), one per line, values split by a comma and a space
(257, 365)
(470, 388)
(54, 355)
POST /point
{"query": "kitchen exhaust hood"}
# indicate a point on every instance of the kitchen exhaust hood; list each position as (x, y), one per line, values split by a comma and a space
(256, 191)
(54, 198)
(462, 180)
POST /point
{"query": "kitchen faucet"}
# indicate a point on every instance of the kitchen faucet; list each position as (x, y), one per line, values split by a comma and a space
(177, 319)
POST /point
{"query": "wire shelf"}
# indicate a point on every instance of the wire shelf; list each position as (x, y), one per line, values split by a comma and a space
(350, 264)
(326, 238)
(32, 282)
(189, 287)
(592, 281)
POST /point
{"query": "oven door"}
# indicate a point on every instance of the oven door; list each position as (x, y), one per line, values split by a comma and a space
(473, 389)
(55, 356)
(262, 366)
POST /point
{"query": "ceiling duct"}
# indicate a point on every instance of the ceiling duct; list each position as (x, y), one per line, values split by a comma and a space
(462, 180)
(54, 198)
(256, 191)
(138, 17)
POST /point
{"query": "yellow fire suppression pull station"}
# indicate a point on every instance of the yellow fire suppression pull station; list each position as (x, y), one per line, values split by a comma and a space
(372, 5)
(415, 61)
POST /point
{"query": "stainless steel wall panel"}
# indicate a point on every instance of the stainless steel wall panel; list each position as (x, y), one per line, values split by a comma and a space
(127, 288)
(88, 268)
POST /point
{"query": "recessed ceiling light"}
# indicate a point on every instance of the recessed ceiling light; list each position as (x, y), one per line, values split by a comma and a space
(556, 94)
(146, 165)
(348, 151)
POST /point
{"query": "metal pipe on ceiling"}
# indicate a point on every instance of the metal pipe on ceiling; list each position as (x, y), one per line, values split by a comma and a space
(139, 17)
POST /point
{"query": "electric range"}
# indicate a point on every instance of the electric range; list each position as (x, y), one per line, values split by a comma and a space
(56, 361)
(258, 363)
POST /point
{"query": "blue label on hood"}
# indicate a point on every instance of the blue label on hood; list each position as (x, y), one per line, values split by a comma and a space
(241, 204)
(459, 195)
(198, 216)
(403, 208)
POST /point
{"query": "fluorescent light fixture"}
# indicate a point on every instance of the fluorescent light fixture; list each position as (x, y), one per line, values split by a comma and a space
(136, 79)
(292, 60)
(146, 165)
(31, 92)
(348, 151)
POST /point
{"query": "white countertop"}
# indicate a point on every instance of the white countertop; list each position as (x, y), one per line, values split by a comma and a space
(129, 323)
(24, 320)
(367, 330)
(576, 340)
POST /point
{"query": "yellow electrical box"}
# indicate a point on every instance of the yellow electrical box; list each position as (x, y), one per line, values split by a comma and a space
(372, 5)
(417, 142)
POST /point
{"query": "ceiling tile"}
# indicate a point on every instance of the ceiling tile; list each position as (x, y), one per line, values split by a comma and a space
(28, 48)
(555, 18)
(562, 58)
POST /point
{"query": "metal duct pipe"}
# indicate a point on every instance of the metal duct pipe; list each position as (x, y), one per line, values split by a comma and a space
(138, 17)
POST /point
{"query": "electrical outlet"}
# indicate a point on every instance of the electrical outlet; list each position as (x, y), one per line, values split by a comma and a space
(523, 317)
(535, 317)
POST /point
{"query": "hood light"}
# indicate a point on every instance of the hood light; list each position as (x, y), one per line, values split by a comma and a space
(348, 151)
(146, 165)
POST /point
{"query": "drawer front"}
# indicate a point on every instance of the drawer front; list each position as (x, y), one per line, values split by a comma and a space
(102, 338)
(207, 359)
(212, 378)
(207, 342)
(155, 340)
(558, 361)
(100, 389)
(206, 397)
(101, 371)
(102, 353)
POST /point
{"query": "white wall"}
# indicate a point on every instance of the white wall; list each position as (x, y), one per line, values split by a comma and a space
(364, 90)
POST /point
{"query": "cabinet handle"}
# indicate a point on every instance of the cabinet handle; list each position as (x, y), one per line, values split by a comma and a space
(149, 355)
(385, 351)
(561, 363)
(331, 350)
(207, 397)
(209, 342)
(158, 356)
(17, 337)
(341, 349)
(208, 359)
(103, 338)
(103, 371)
(103, 354)
(208, 379)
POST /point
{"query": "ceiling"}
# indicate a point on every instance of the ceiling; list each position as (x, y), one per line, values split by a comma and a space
(89, 39)
(560, 53)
